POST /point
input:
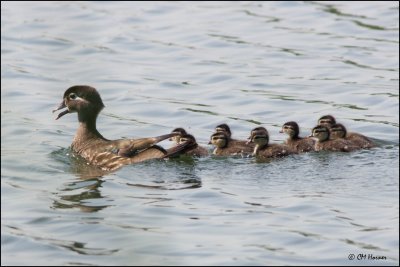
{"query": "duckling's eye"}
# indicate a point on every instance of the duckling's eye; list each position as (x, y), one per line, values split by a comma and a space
(184, 140)
(72, 96)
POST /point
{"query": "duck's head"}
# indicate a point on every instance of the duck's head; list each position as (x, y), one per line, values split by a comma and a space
(187, 142)
(219, 139)
(320, 132)
(327, 121)
(83, 99)
(337, 130)
(179, 132)
(291, 128)
(259, 136)
(224, 128)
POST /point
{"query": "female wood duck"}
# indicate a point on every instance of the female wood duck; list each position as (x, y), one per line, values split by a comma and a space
(260, 137)
(321, 133)
(338, 131)
(225, 147)
(92, 146)
(191, 147)
(296, 143)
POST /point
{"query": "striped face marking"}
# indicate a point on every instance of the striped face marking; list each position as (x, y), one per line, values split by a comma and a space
(321, 132)
(219, 140)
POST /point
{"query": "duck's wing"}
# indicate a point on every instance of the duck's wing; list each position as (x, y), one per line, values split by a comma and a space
(181, 149)
(157, 152)
(131, 147)
(153, 152)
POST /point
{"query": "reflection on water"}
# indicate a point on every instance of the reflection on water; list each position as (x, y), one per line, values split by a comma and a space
(85, 200)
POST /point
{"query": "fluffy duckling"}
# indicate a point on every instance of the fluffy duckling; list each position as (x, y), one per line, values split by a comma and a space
(179, 132)
(224, 146)
(260, 137)
(327, 121)
(296, 143)
(358, 140)
(232, 142)
(321, 133)
(191, 146)
(224, 128)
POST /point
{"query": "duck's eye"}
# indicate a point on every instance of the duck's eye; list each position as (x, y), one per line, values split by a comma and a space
(72, 96)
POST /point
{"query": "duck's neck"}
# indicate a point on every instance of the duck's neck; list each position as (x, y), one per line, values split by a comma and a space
(256, 148)
(259, 146)
(86, 132)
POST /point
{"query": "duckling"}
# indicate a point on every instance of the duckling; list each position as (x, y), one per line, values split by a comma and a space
(321, 133)
(97, 150)
(260, 137)
(179, 132)
(358, 140)
(296, 143)
(355, 138)
(191, 146)
(224, 146)
(223, 128)
(232, 142)
(327, 121)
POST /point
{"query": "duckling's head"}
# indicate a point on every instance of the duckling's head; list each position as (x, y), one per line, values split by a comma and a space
(259, 136)
(291, 128)
(327, 121)
(337, 130)
(219, 139)
(224, 128)
(185, 138)
(320, 132)
(188, 140)
(82, 99)
(179, 132)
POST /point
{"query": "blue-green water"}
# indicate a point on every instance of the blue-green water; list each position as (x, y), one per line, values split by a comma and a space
(161, 65)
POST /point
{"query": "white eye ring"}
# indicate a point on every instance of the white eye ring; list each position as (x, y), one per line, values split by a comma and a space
(72, 96)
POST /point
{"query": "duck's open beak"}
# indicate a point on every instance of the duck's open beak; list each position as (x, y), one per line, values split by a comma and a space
(61, 106)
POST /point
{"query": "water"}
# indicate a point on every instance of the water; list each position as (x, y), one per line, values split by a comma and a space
(195, 65)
